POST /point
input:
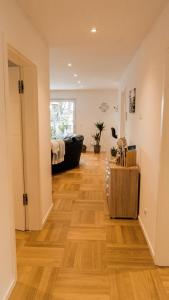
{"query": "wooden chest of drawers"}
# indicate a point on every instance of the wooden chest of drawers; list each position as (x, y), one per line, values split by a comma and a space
(122, 190)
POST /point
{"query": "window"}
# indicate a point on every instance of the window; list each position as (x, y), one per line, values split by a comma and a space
(62, 113)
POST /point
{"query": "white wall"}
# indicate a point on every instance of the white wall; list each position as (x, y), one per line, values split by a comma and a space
(88, 113)
(7, 248)
(146, 74)
(20, 34)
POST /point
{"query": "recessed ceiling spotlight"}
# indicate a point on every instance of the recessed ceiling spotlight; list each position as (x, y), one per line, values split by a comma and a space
(75, 75)
(69, 65)
(93, 30)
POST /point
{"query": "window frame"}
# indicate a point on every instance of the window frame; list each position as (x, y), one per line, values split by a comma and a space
(74, 111)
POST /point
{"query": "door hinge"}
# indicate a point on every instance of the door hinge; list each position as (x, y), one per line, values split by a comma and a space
(21, 86)
(25, 199)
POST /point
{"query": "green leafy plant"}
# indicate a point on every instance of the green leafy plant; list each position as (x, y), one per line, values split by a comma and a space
(96, 138)
(100, 126)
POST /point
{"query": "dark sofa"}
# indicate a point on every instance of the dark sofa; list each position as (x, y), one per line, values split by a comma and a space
(73, 149)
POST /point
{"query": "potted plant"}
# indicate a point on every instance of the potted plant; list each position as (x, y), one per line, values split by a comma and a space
(113, 151)
(100, 126)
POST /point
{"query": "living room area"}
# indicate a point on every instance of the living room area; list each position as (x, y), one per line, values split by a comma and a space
(77, 112)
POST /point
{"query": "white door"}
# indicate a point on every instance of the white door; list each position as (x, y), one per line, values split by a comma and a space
(16, 146)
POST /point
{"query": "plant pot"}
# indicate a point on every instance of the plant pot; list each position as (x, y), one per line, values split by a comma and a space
(97, 148)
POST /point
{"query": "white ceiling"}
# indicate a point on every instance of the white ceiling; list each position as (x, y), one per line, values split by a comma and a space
(98, 59)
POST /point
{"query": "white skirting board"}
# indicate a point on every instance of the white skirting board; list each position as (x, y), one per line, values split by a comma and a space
(46, 215)
(147, 238)
(10, 289)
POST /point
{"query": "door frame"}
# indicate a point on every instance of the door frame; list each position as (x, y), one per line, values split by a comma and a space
(30, 132)
(161, 256)
(20, 211)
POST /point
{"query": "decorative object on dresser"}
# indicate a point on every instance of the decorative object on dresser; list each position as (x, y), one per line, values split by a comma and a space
(97, 136)
(130, 160)
(125, 156)
(121, 148)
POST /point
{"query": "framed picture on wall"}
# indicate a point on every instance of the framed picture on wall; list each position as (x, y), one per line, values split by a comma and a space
(132, 100)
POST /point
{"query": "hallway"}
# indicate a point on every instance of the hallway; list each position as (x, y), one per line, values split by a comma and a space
(83, 255)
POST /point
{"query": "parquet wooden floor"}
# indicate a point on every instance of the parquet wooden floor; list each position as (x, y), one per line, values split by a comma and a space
(83, 255)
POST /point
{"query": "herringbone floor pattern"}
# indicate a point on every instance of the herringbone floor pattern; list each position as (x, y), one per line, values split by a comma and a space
(83, 255)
